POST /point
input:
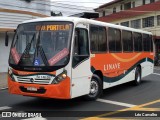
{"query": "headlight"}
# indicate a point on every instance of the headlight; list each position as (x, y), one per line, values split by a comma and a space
(60, 77)
(11, 74)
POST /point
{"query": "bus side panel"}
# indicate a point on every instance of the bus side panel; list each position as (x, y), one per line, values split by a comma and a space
(147, 67)
(129, 77)
(118, 68)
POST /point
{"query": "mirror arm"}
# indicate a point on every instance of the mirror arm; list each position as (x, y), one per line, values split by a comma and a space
(6, 39)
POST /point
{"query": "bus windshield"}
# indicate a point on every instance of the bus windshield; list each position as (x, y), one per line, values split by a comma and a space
(41, 44)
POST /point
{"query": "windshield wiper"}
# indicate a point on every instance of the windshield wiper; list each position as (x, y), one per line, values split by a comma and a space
(39, 48)
(27, 49)
(43, 55)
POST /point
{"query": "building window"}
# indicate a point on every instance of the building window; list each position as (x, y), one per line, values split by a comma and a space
(127, 6)
(144, 2)
(158, 20)
(125, 24)
(98, 39)
(133, 4)
(103, 13)
(114, 10)
(127, 41)
(151, 1)
(114, 39)
(148, 22)
(136, 23)
(121, 7)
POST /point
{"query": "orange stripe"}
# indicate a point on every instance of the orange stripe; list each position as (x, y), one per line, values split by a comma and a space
(126, 60)
(30, 73)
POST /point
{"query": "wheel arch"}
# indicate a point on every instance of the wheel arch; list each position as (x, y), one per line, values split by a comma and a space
(99, 74)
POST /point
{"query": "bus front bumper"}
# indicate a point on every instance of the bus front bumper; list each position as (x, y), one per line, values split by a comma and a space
(59, 91)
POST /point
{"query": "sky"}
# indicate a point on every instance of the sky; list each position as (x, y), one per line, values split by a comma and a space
(70, 7)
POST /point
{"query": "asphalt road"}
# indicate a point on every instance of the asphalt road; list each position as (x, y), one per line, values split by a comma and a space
(114, 102)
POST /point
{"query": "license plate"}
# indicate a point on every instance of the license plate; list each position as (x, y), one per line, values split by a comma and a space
(31, 89)
(43, 77)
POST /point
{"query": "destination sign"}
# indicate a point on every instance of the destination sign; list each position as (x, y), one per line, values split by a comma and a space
(52, 27)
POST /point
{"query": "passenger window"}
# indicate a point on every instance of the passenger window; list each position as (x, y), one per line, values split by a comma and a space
(146, 43)
(98, 39)
(137, 37)
(102, 43)
(151, 41)
(127, 41)
(114, 38)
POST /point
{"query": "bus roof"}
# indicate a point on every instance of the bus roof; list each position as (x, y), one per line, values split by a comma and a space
(88, 21)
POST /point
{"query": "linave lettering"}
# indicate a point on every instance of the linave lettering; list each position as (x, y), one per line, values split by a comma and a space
(111, 66)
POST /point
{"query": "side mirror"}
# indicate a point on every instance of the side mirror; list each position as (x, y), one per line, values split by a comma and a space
(6, 39)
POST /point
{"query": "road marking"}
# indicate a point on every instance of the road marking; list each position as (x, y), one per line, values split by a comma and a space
(4, 88)
(155, 73)
(147, 109)
(111, 118)
(115, 103)
(138, 107)
(35, 118)
(146, 104)
(4, 108)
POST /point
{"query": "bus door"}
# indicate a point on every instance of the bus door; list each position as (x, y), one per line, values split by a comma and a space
(81, 73)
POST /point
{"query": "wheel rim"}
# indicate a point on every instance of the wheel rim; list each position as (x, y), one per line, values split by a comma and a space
(138, 77)
(93, 89)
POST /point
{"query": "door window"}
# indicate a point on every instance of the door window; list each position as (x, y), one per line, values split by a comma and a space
(81, 46)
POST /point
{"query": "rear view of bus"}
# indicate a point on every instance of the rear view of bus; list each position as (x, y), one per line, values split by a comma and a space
(39, 54)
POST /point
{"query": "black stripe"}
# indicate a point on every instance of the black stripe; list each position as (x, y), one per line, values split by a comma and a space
(117, 78)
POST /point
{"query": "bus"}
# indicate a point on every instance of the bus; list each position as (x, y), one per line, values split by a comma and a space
(68, 57)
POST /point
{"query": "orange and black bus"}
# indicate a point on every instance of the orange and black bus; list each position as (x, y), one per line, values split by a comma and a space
(67, 57)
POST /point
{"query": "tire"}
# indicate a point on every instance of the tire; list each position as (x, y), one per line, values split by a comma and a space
(137, 79)
(95, 88)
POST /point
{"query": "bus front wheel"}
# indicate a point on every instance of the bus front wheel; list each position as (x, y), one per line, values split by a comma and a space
(95, 88)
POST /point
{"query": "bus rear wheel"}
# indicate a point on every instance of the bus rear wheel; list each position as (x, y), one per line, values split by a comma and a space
(95, 88)
(137, 80)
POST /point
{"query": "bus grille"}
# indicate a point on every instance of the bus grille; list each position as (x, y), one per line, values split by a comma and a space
(33, 80)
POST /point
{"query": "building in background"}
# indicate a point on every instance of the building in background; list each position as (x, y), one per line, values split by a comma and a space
(139, 14)
(13, 12)
(68, 8)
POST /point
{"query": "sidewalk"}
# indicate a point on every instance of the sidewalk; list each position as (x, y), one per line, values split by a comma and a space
(3, 80)
(156, 67)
